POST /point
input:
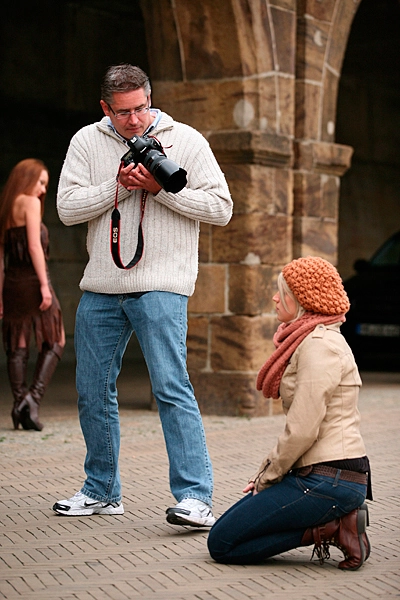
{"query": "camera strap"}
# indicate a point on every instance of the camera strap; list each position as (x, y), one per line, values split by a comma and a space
(116, 230)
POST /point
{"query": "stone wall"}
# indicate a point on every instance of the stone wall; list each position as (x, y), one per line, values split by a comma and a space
(263, 91)
(260, 80)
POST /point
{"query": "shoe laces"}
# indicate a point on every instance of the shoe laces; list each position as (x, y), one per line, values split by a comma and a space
(78, 496)
(322, 550)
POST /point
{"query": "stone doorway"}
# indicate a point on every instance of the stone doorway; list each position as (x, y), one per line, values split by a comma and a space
(368, 119)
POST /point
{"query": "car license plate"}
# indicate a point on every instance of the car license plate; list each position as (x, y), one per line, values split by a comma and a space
(378, 330)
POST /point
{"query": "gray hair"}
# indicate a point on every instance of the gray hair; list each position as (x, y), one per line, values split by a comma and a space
(284, 290)
(123, 78)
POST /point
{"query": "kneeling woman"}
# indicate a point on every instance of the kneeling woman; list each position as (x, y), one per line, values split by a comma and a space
(311, 487)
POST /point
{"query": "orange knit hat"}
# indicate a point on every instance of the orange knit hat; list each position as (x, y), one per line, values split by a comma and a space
(317, 285)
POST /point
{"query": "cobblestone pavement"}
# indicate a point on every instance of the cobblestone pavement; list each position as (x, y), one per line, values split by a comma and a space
(138, 554)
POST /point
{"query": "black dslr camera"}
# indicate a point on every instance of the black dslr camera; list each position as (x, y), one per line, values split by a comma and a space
(149, 152)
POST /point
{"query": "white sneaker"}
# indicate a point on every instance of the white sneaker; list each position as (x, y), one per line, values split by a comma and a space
(191, 512)
(81, 505)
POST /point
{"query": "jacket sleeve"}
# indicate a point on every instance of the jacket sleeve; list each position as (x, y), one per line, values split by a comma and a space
(319, 372)
(78, 199)
(206, 198)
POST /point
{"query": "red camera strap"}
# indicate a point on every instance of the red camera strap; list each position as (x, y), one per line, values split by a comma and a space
(116, 230)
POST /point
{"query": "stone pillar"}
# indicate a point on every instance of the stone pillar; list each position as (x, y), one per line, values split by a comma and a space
(231, 317)
(234, 81)
(322, 31)
(317, 170)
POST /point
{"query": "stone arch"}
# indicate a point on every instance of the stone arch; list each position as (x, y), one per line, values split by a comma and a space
(322, 33)
(368, 118)
(232, 51)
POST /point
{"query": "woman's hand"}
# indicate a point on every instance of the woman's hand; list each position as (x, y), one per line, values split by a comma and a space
(46, 297)
(250, 487)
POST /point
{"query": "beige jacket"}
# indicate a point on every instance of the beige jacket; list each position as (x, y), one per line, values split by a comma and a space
(319, 391)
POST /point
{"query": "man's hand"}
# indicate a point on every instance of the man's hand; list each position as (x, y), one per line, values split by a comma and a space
(138, 178)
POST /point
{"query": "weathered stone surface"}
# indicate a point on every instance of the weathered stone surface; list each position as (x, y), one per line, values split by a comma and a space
(312, 39)
(254, 34)
(240, 342)
(205, 242)
(232, 394)
(308, 97)
(283, 191)
(328, 117)
(250, 289)
(316, 237)
(159, 15)
(307, 194)
(340, 30)
(284, 23)
(317, 9)
(197, 343)
(255, 188)
(210, 291)
(322, 157)
(253, 238)
(268, 95)
(251, 187)
(330, 187)
(285, 4)
(210, 48)
(252, 147)
(286, 95)
(316, 195)
(207, 105)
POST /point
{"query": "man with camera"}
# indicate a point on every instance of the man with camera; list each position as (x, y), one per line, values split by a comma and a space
(160, 228)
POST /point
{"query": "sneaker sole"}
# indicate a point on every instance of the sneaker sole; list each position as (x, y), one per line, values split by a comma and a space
(87, 512)
(178, 519)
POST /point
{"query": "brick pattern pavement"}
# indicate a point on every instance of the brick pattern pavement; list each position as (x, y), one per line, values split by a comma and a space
(138, 554)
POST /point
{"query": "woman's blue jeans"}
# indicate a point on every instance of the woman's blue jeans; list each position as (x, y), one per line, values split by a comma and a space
(274, 521)
(104, 325)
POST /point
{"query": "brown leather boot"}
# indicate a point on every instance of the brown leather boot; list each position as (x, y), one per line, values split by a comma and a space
(46, 364)
(17, 362)
(353, 539)
(347, 533)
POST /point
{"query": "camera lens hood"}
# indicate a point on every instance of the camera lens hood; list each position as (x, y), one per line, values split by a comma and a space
(170, 176)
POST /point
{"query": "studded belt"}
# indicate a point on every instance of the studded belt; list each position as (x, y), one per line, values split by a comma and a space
(332, 472)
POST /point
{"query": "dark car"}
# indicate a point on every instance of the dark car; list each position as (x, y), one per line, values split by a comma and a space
(372, 326)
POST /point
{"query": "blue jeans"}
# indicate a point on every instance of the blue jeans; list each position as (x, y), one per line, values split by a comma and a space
(104, 325)
(274, 521)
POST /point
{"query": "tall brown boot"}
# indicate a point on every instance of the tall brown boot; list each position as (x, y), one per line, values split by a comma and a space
(347, 533)
(17, 362)
(46, 364)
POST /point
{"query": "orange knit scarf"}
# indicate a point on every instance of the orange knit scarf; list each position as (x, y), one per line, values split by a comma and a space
(286, 339)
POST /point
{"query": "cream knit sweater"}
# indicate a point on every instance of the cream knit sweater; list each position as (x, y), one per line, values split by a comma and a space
(86, 193)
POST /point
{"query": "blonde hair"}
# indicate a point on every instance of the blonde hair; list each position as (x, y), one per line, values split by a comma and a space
(284, 290)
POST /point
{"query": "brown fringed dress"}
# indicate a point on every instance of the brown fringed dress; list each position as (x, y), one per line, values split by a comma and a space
(22, 297)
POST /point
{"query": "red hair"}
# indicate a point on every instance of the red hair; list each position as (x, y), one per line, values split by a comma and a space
(22, 179)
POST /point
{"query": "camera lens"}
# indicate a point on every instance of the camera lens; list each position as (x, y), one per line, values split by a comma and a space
(169, 175)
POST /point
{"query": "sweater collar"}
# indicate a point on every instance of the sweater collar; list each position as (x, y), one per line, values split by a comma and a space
(158, 114)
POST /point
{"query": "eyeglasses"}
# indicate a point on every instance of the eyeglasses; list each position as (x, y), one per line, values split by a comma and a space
(125, 114)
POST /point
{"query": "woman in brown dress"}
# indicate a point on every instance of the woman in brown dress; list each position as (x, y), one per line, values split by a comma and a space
(27, 299)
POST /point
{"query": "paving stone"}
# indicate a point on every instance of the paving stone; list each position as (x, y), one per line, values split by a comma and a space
(139, 555)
